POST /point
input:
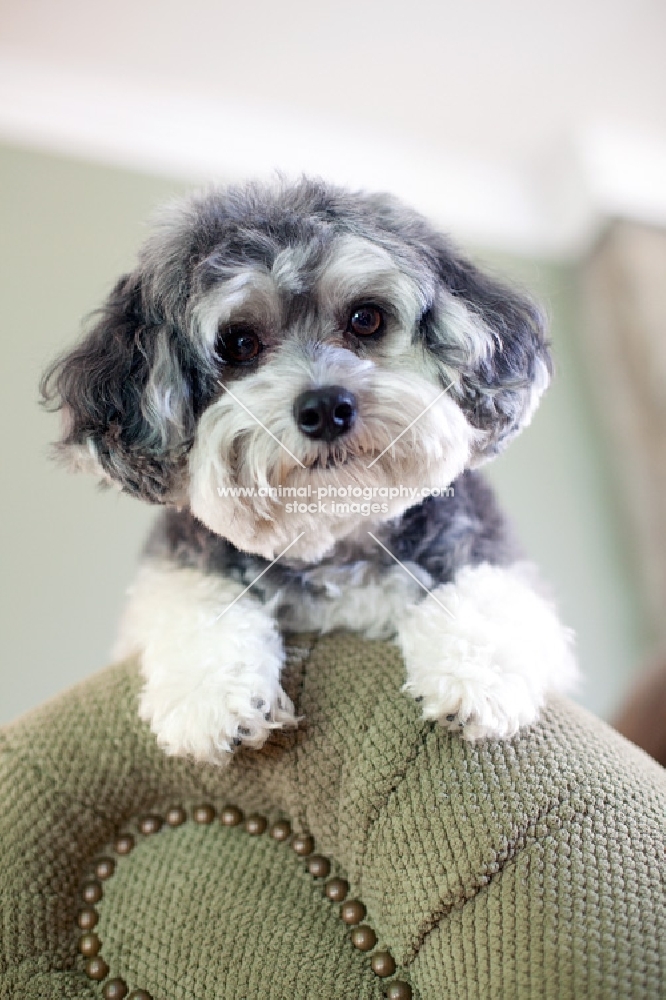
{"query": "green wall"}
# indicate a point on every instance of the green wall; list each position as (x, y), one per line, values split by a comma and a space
(67, 229)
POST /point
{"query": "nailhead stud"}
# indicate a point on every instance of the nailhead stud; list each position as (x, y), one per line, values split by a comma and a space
(382, 964)
(398, 990)
(231, 816)
(203, 815)
(87, 918)
(97, 969)
(150, 824)
(104, 868)
(303, 844)
(255, 825)
(92, 892)
(363, 938)
(139, 995)
(124, 844)
(89, 945)
(281, 830)
(175, 816)
(115, 989)
(352, 912)
(318, 866)
(336, 890)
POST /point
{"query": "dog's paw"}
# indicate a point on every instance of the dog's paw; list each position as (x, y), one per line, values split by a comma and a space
(211, 727)
(485, 666)
(211, 661)
(482, 705)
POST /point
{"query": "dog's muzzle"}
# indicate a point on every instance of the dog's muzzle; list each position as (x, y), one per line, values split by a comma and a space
(325, 414)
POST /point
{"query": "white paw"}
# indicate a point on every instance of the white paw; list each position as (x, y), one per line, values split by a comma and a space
(212, 679)
(486, 671)
(208, 725)
(480, 705)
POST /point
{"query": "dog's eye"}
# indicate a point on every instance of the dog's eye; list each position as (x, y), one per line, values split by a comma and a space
(366, 321)
(238, 344)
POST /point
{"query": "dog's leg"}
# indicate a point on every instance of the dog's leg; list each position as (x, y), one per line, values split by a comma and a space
(485, 665)
(211, 661)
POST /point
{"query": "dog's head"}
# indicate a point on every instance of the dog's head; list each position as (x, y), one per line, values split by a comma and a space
(298, 337)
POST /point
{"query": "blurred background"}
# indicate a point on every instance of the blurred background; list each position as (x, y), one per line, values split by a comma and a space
(534, 133)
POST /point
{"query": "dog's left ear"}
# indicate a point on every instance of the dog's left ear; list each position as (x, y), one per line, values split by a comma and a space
(490, 340)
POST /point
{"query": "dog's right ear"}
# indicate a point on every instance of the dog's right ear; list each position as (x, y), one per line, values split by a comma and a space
(125, 398)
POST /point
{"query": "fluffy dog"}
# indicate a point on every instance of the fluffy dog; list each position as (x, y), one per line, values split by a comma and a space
(287, 371)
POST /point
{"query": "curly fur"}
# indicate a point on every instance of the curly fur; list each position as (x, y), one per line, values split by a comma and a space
(154, 405)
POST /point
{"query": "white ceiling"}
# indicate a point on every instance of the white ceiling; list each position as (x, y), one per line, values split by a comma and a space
(518, 122)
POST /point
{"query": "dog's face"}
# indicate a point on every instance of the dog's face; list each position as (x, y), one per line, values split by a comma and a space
(301, 338)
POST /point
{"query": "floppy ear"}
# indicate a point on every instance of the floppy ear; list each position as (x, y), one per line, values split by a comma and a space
(125, 398)
(492, 341)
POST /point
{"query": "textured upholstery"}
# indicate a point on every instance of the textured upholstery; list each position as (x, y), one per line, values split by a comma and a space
(531, 868)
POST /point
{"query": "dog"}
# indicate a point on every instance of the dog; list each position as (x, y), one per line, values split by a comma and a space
(307, 379)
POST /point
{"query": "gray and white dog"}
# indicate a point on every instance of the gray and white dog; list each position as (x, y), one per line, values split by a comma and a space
(290, 370)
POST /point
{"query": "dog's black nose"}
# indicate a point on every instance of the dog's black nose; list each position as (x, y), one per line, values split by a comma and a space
(326, 413)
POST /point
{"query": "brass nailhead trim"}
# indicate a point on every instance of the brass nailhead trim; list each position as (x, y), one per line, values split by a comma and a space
(303, 844)
(96, 968)
(382, 964)
(281, 830)
(352, 911)
(203, 814)
(397, 990)
(91, 893)
(255, 825)
(231, 816)
(89, 945)
(115, 989)
(175, 816)
(363, 938)
(318, 866)
(150, 824)
(336, 890)
(104, 868)
(124, 844)
(87, 918)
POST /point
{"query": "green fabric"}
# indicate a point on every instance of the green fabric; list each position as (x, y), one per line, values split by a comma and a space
(530, 868)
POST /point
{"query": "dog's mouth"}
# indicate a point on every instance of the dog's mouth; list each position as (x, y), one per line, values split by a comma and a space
(327, 463)
(339, 458)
